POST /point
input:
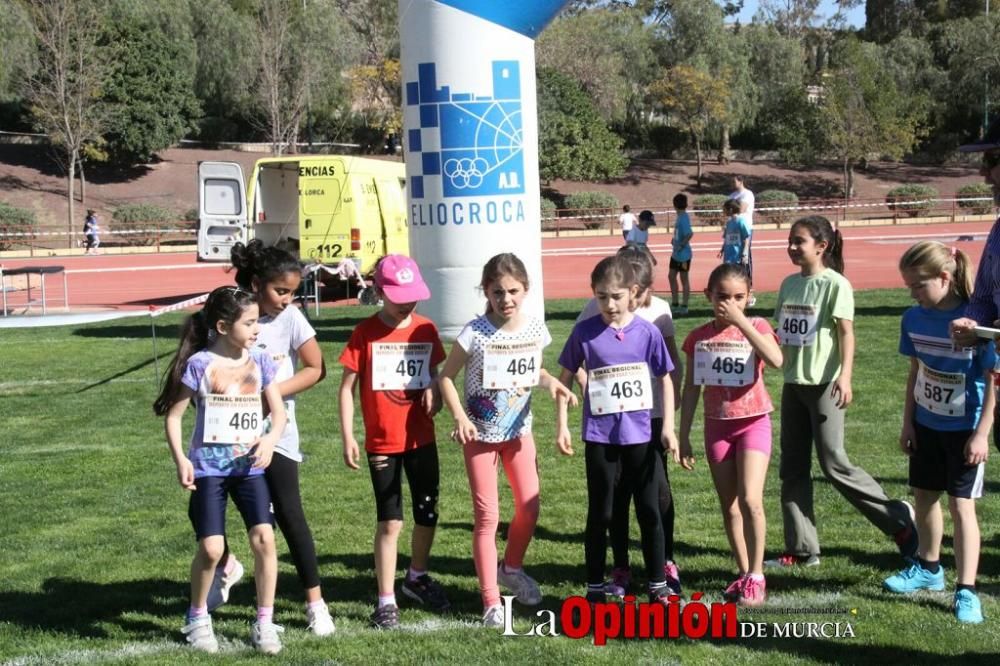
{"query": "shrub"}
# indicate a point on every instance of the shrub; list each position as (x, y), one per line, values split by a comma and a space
(592, 203)
(136, 217)
(915, 197)
(977, 190)
(15, 220)
(779, 199)
(190, 215)
(548, 210)
(708, 208)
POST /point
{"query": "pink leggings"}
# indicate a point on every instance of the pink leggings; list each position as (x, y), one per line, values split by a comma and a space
(518, 456)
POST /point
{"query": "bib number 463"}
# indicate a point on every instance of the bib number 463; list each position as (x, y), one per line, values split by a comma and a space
(627, 389)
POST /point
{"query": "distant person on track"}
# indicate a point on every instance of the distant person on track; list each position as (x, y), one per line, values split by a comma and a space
(984, 307)
(627, 221)
(92, 240)
(639, 235)
(745, 198)
(681, 255)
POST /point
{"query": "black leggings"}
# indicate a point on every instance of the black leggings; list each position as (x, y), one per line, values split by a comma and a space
(283, 481)
(422, 475)
(638, 463)
(618, 532)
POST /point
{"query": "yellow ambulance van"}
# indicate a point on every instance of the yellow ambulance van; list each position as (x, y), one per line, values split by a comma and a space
(323, 208)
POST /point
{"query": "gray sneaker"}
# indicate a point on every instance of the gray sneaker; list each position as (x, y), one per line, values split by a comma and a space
(200, 634)
(523, 586)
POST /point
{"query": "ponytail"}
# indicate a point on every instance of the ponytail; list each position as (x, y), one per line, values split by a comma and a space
(225, 304)
(194, 337)
(823, 232)
(931, 258)
(254, 261)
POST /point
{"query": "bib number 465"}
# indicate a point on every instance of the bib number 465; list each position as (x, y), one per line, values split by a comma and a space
(728, 365)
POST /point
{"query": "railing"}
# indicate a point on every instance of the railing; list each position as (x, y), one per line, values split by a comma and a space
(46, 240)
(781, 214)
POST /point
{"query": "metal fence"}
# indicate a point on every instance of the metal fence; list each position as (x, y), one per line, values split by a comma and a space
(44, 240)
(954, 208)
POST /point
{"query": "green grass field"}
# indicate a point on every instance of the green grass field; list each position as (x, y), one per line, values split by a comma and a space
(96, 542)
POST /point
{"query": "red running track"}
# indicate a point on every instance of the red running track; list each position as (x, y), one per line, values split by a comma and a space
(140, 280)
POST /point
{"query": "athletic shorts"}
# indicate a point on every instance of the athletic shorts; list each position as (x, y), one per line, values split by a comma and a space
(939, 464)
(725, 437)
(207, 506)
(680, 266)
(422, 475)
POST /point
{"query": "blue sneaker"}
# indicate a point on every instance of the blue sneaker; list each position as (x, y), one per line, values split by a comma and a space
(915, 578)
(967, 607)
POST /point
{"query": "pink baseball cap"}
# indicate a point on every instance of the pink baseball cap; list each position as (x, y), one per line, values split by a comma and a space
(399, 279)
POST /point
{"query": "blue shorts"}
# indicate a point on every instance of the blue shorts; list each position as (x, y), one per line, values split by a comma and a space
(207, 507)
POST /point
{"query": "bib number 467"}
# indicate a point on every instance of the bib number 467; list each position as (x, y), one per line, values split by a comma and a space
(410, 368)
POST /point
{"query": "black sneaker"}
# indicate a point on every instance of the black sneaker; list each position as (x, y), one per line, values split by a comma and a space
(427, 592)
(386, 617)
(596, 596)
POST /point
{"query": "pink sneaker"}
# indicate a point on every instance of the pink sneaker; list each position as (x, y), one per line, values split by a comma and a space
(735, 590)
(621, 581)
(673, 576)
(754, 591)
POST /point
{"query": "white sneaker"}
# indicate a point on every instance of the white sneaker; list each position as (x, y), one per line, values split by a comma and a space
(200, 634)
(493, 617)
(264, 637)
(523, 586)
(222, 583)
(320, 622)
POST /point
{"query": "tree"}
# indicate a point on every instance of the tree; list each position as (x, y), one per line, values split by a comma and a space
(297, 62)
(222, 74)
(862, 111)
(609, 53)
(573, 140)
(19, 58)
(149, 89)
(695, 98)
(65, 91)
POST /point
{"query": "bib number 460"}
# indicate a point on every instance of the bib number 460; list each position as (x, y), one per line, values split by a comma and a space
(792, 326)
(627, 389)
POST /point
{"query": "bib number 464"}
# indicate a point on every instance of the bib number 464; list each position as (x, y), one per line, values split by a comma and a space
(521, 366)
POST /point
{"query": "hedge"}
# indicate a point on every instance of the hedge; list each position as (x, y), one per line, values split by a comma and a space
(588, 201)
(708, 208)
(15, 220)
(914, 195)
(548, 210)
(139, 217)
(776, 198)
(977, 190)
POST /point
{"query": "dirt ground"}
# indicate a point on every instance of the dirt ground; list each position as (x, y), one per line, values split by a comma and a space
(30, 178)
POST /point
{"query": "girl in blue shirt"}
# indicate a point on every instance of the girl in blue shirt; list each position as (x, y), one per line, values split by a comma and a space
(946, 421)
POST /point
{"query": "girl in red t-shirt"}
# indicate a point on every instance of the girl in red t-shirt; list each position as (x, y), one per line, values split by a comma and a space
(727, 357)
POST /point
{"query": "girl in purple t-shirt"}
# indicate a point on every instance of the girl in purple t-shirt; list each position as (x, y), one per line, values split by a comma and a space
(623, 355)
(217, 367)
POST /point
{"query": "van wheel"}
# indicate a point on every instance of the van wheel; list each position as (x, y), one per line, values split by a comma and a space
(368, 296)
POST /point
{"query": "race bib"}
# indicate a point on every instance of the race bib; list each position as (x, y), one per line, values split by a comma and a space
(733, 238)
(724, 363)
(797, 325)
(511, 365)
(620, 388)
(401, 366)
(232, 419)
(941, 393)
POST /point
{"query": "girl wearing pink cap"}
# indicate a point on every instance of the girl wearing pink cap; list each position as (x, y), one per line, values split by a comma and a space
(392, 357)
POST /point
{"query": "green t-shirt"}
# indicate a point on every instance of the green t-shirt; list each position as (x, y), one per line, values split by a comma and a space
(807, 313)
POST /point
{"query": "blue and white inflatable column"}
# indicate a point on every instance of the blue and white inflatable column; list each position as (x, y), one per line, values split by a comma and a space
(471, 123)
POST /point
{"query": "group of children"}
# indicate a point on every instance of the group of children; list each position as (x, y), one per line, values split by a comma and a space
(238, 360)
